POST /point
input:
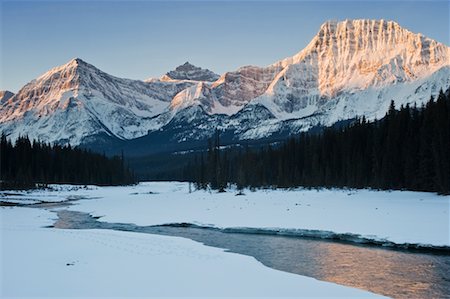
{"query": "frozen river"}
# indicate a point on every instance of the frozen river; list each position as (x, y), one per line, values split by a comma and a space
(394, 273)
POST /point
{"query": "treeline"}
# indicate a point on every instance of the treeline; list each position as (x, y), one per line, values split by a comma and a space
(25, 164)
(408, 149)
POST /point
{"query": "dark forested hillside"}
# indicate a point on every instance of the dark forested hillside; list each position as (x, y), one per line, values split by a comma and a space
(26, 163)
(408, 149)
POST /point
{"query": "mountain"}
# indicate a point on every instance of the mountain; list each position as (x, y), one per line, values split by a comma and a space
(349, 69)
(76, 102)
(188, 71)
(357, 67)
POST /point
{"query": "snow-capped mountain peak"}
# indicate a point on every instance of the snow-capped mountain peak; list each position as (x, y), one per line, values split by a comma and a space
(350, 57)
(69, 68)
(77, 100)
(356, 54)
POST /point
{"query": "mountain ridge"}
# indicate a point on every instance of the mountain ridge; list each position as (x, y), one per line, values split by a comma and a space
(77, 100)
(349, 69)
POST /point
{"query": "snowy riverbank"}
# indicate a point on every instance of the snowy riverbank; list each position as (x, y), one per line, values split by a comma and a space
(47, 262)
(398, 216)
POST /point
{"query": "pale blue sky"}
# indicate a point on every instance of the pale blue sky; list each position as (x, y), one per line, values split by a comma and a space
(141, 39)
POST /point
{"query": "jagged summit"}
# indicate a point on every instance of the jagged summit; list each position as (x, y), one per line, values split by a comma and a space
(73, 64)
(186, 65)
(350, 23)
(188, 71)
(363, 46)
(76, 61)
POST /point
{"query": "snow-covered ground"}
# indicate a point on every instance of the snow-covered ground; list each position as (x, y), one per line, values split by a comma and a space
(47, 262)
(43, 262)
(397, 216)
(52, 194)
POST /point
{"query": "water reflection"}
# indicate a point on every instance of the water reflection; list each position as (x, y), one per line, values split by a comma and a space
(393, 273)
(380, 271)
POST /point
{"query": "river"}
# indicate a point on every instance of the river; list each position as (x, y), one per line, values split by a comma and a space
(391, 272)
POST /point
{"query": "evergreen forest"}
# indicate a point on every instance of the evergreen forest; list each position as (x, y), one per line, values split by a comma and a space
(408, 149)
(25, 164)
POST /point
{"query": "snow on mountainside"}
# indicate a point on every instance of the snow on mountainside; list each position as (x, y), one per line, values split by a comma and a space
(349, 57)
(342, 60)
(230, 93)
(188, 71)
(77, 100)
(349, 69)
